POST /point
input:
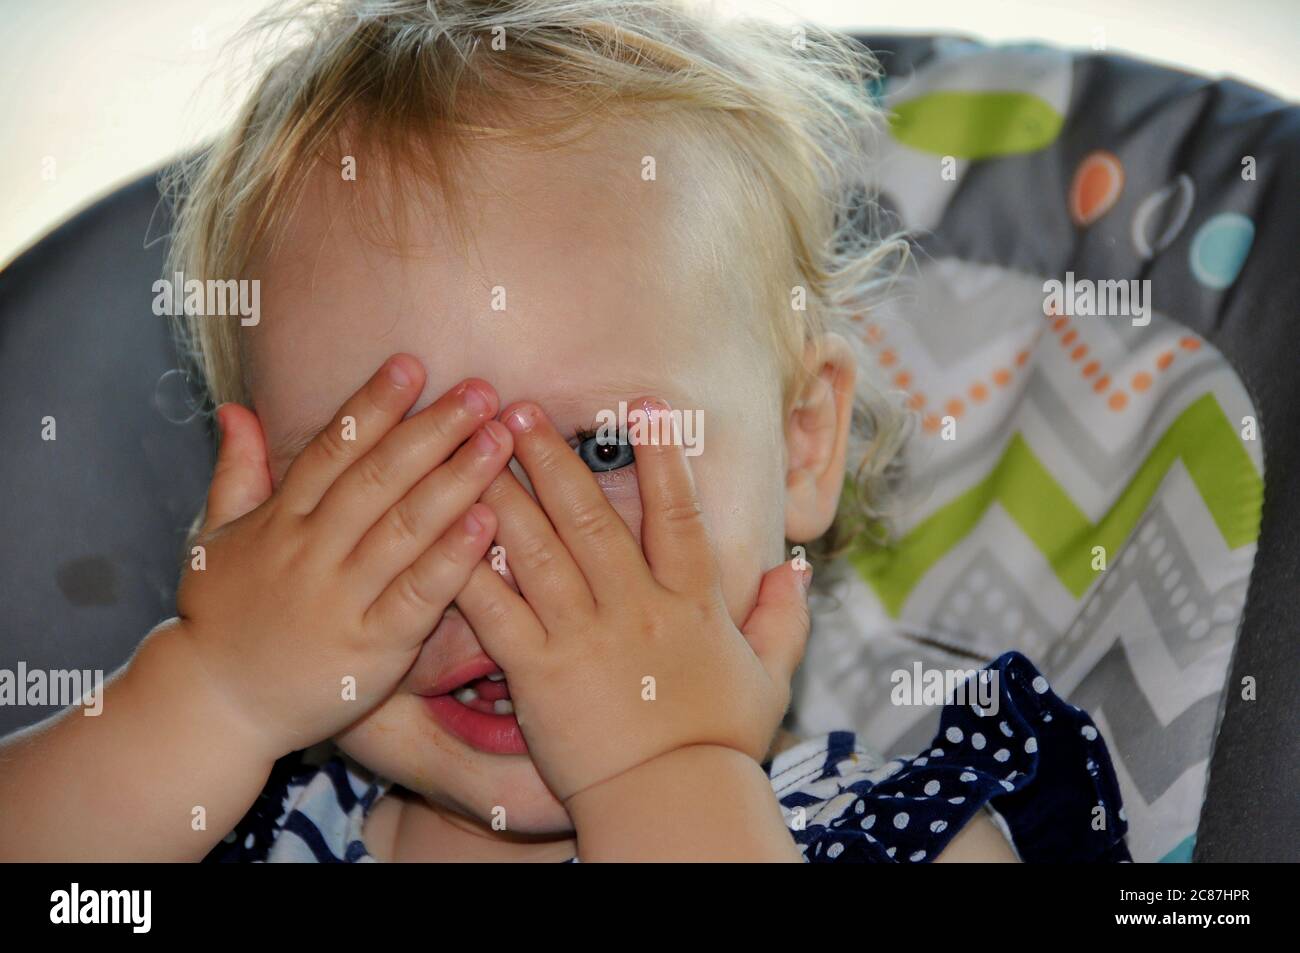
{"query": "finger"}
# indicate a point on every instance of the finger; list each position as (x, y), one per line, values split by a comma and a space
(359, 424)
(541, 566)
(407, 453)
(412, 523)
(673, 535)
(507, 628)
(410, 607)
(241, 480)
(596, 536)
(777, 628)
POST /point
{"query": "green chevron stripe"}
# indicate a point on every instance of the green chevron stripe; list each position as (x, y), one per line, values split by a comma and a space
(1202, 437)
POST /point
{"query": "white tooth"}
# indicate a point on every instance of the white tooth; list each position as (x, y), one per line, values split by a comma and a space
(503, 706)
(465, 695)
(497, 677)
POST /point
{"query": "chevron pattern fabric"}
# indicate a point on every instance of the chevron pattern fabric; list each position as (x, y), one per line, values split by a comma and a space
(1085, 489)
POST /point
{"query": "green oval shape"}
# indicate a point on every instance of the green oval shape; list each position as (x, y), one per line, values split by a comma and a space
(972, 125)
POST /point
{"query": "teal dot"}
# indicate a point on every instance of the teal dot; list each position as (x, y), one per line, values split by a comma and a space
(1220, 249)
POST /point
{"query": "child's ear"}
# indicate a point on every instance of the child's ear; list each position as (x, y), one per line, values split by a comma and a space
(816, 439)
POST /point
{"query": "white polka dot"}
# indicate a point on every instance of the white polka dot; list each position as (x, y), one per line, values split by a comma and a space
(921, 762)
(1187, 613)
(1040, 684)
(956, 800)
(834, 850)
(1164, 562)
(1002, 754)
(977, 741)
(1031, 745)
(936, 753)
(891, 852)
(954, 735)
(1008, 785)
(1047, 716)
(1171, 579)
(901, 819)
(248, 841)
(966, 776)
(1224, 613)
(932, 788)
(1122, 815)
(1157, 547)
(1198, 629)
(1013, 775)
(917, 857)
(1090, 732)
(1006, 729)
(939, 826)
(1178, 596)
(860, 806)
(868, 822)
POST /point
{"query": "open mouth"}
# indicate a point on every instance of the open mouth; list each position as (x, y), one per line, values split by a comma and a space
(477, 709)
(489, 694)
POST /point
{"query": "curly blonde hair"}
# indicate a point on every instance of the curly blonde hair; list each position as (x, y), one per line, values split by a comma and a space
(783, 110)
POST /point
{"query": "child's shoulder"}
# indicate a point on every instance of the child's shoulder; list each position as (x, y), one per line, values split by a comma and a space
(311, 810)
(1015, 748)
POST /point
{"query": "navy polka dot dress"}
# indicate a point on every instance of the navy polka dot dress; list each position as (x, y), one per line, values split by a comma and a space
(1037, 764)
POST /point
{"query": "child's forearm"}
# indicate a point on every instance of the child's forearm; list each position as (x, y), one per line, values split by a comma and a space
(701, 803)
(162, 773)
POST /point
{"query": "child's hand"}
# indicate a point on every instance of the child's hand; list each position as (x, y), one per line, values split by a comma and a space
(602, 619)
(315, 599)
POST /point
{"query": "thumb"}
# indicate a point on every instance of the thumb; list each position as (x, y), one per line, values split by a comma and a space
(241, 480)
(777, 628)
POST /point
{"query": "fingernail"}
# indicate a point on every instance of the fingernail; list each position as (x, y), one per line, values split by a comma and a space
(472, 524)
(486, 443)
(397, 373)
(805, 578)
(476, 401)
(521, 420)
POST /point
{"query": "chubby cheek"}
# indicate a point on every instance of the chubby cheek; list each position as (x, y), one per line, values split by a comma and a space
(399, 742)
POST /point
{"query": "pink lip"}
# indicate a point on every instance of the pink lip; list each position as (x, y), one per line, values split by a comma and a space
(492, 734)
(478, 667)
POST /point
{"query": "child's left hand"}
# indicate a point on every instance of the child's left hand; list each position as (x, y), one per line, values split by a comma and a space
(602, 618)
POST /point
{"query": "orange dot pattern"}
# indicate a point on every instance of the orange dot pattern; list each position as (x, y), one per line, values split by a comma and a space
(1140, 382)
(977, 392)
(1117, 398)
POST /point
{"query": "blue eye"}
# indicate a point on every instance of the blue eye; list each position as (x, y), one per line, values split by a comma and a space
(603, 457)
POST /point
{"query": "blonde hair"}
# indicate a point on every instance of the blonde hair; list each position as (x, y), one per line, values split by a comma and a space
(784, 110)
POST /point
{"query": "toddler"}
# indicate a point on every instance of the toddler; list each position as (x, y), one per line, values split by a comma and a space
(462, 590)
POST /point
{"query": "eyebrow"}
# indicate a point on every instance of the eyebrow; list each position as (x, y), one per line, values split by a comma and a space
(296, 440)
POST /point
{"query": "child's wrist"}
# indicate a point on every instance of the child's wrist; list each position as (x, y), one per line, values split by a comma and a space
(170, 660)
(697, 802)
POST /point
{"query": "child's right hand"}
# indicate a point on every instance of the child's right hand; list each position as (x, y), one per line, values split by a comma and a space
(316, 597)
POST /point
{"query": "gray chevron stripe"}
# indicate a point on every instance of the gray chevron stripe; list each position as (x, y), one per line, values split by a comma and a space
(1148, 749)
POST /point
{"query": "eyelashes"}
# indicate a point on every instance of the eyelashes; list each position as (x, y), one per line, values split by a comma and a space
(603, 457)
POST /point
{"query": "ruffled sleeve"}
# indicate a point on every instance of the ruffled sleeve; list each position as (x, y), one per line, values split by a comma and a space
(1037, 761)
